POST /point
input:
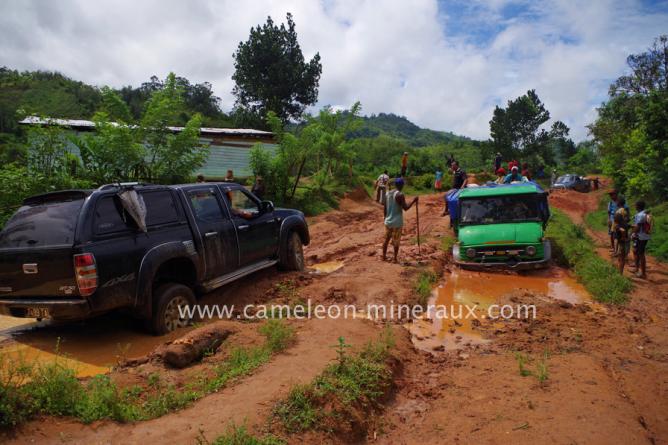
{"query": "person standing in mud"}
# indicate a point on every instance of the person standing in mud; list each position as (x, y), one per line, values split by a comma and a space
(612, 208)
(394, 208)
(438, 180)
(459, 181)
(621, 229)
(381, 187)
(642, 228)
(404, 164)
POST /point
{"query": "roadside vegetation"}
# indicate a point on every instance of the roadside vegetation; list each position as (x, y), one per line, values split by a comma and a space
(575, 249)
(30, 389)
(424, 284)
(239, 435)
(541, 368)
(342, 398)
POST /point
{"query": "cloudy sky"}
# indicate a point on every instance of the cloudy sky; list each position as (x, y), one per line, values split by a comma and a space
(442, 64)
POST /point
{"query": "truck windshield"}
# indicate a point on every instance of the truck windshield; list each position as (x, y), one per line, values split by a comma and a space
(500, 209)
(47, 224)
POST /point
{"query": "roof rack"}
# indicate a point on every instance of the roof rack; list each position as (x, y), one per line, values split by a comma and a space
(121, 185)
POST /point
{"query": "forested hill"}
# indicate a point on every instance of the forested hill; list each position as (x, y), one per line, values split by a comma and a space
(400, 127)
(55, 95)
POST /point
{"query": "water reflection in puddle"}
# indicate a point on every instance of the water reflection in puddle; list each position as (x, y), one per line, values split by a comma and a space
(328, 267)
(90, 347)
(453, 325)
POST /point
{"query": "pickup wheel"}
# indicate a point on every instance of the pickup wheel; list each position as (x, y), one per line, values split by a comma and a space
(294, 256)
(167, 299)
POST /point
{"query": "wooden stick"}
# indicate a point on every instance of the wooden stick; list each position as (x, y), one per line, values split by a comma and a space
(417, 220)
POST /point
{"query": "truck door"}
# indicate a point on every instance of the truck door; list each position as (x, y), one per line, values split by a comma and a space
(221, 254)
(257, 231)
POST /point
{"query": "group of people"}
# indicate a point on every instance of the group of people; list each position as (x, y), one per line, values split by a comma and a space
(513, 174)
(626, 232)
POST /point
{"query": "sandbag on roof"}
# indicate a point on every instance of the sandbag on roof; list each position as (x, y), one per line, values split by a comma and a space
(134, 205)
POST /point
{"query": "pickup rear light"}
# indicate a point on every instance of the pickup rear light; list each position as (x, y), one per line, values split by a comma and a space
(85, 271)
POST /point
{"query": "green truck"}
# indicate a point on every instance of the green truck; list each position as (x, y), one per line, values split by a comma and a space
(500, 226)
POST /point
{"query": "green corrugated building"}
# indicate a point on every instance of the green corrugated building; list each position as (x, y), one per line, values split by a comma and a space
(229, 148)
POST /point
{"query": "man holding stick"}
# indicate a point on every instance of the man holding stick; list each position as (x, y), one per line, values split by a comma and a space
(394, 208)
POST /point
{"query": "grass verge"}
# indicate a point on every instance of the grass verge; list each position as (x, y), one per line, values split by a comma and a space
(238, 435)
(598, 219)
(572, 246)
(28, 389)
(341, 398)
(423, 286)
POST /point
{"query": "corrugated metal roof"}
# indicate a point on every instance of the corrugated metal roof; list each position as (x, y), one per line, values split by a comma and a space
(80, 123)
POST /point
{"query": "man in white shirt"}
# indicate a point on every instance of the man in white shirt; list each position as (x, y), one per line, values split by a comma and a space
(381, 187)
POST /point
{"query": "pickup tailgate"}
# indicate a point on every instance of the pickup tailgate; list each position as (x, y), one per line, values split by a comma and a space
(39, 272)
(36, 247)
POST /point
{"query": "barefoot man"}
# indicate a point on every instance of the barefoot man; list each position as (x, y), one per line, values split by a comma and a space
(395, 205)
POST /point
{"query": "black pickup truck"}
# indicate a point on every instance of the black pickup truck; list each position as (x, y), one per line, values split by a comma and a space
(77, 253)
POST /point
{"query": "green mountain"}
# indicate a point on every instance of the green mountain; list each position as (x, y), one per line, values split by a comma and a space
(56, 95)
(44, 93)
(401, 128)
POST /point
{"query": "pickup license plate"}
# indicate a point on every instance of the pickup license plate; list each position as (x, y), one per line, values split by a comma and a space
(37, 312)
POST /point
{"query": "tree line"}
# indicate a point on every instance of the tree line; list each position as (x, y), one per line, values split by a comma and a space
(274, 86)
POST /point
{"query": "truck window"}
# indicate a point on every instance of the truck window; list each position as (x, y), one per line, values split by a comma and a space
(500, 209)
(109, 216)
(241, 204)
(205, 205)
(160, 208)
(47, 224)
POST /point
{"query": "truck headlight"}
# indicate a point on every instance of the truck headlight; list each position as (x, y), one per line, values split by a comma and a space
(531, 250)
(470, 252)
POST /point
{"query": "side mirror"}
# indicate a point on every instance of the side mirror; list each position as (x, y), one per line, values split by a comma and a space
(267, 206)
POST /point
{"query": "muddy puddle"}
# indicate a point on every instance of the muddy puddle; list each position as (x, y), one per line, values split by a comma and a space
(89, 347)
(327, 267)
(465, 299)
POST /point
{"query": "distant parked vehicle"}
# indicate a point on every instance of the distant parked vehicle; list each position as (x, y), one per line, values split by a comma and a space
(572, 182)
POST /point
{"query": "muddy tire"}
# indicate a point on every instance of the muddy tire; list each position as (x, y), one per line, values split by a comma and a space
(294, 255)
(166, 301)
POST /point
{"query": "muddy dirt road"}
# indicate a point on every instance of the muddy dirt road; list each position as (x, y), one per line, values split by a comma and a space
(603, 369)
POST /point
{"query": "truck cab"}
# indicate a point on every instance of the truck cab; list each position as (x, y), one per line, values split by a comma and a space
(500, 226)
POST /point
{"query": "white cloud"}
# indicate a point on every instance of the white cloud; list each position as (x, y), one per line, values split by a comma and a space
(410, 58)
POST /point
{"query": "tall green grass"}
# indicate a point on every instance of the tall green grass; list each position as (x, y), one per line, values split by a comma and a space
(239, 435)
(572, 246)
(29, 389)
(352, 383)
